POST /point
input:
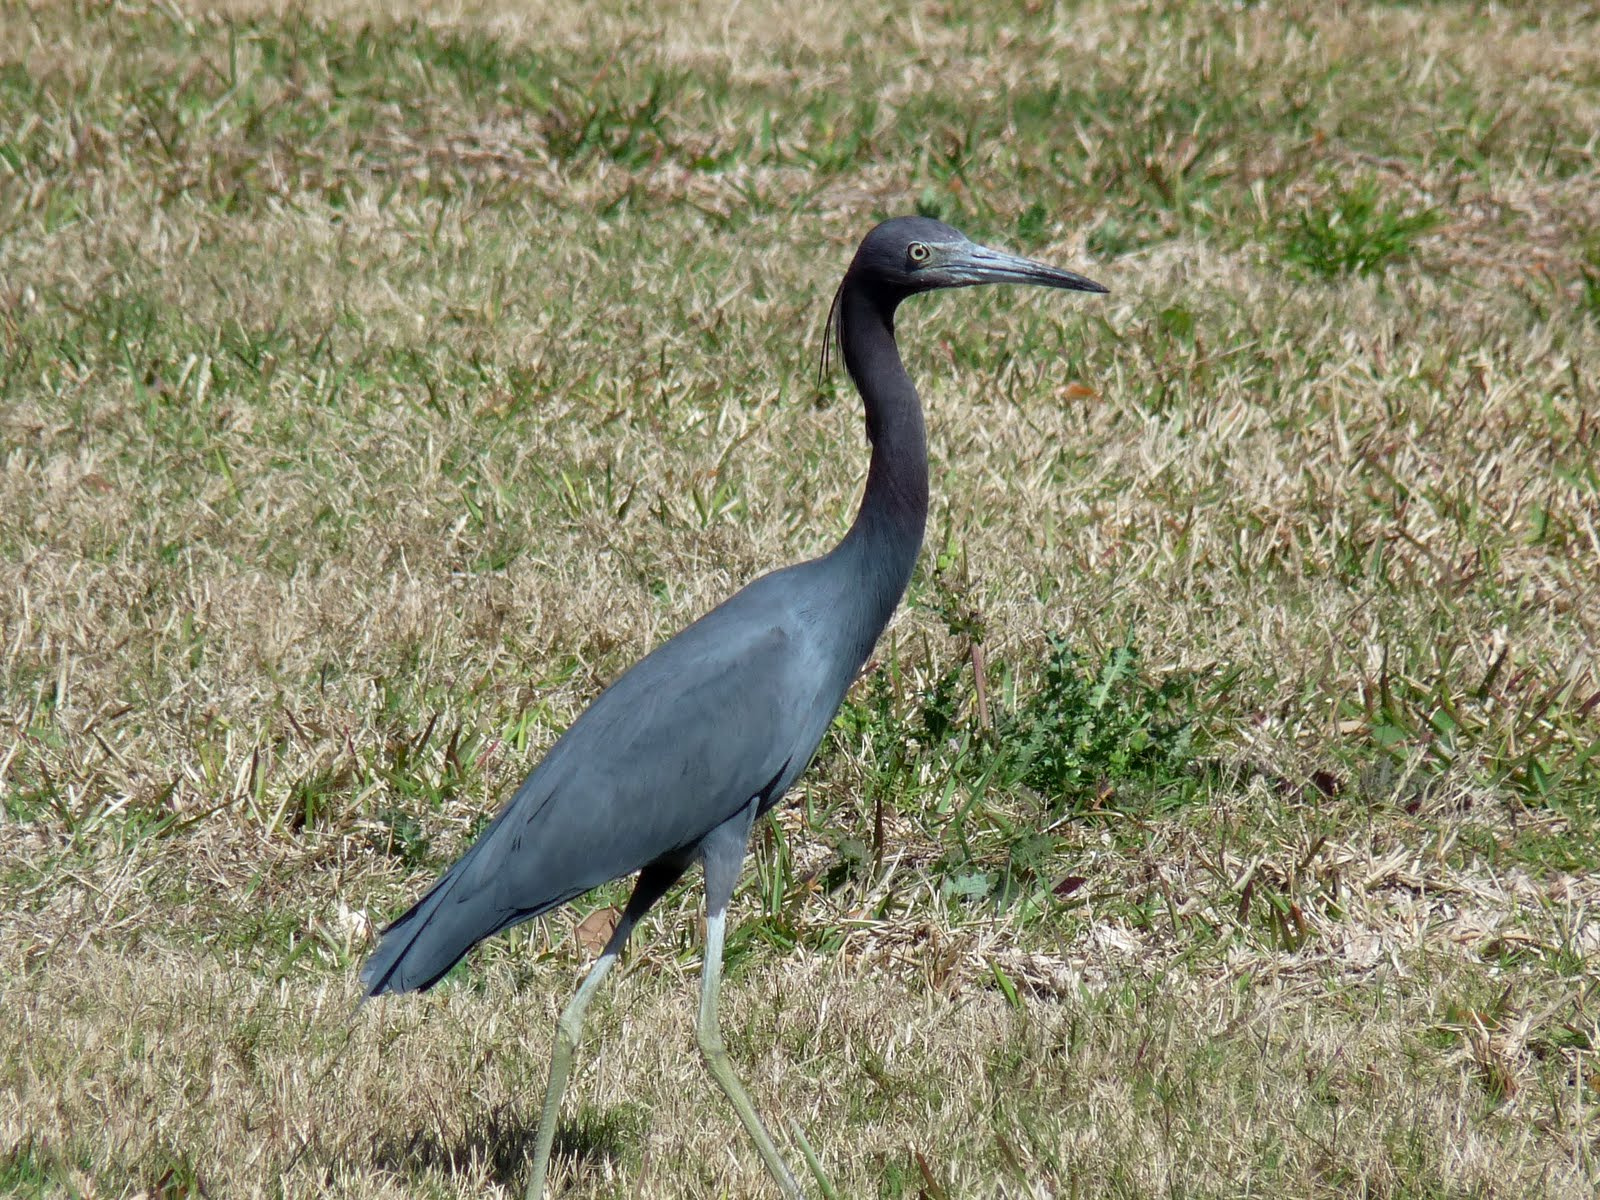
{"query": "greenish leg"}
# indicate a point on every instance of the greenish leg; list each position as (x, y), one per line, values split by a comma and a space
(654, 880)
(568, 1029)
(717, 1062)
(722, 851)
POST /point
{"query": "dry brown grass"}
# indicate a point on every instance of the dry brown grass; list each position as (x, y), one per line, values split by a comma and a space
(375, 386)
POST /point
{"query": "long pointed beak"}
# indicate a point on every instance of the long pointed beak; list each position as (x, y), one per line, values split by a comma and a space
(980, 264)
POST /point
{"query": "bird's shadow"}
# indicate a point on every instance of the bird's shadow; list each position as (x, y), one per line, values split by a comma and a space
(503, 1141)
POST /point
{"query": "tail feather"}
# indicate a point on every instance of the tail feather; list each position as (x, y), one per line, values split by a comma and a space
(418, 948)
(434, 934)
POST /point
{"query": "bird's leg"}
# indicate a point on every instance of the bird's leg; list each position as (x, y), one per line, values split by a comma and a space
(721, 1068)
(723, 850)
(654, 880)
(568, 1029)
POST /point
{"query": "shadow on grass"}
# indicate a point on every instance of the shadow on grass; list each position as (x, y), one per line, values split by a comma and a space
(504, 1141)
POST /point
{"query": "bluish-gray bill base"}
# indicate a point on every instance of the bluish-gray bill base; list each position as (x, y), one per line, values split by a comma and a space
(677, 759)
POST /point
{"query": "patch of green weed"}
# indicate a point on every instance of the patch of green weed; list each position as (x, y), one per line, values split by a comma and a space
(1357, 232)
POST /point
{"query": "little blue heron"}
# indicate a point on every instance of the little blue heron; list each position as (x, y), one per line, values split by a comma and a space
(676, 759)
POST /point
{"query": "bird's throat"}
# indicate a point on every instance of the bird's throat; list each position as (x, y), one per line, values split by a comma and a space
(888, 529)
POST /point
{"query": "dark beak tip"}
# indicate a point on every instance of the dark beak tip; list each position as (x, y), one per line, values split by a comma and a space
(1080, 284)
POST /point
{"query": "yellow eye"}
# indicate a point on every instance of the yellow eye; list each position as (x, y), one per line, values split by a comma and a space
(918, 253)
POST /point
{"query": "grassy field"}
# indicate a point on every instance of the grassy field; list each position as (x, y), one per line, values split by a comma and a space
(1219, 816)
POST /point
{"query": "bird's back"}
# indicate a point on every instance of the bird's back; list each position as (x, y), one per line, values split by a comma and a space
(731, 708)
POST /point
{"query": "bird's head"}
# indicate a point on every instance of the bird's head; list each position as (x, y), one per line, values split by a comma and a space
(908, 255)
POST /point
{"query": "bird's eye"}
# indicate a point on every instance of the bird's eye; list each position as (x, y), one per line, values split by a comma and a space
(918, 253)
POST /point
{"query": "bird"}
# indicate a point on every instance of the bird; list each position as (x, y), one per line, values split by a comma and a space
(675, 761)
